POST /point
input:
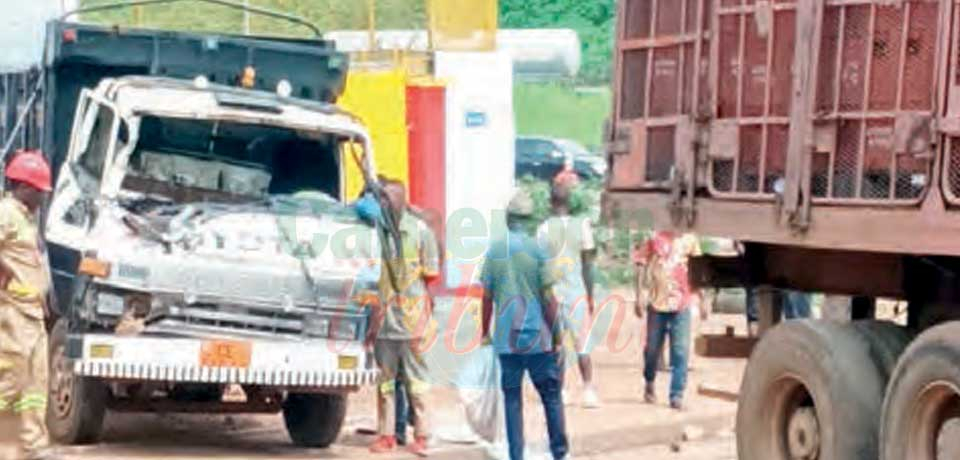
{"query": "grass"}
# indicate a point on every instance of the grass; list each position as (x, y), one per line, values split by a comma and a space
(191, 15)
(560, 110)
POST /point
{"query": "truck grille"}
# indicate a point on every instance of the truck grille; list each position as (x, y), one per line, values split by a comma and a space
(239, 318)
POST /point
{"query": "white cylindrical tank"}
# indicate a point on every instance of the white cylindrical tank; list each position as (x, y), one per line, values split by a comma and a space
(542, 53)
(535, 53)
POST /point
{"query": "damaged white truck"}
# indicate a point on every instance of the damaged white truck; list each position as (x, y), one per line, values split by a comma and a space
(203, 257)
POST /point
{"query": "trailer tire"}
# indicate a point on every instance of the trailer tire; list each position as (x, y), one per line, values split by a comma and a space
(314, 420)
(807, 385)
(887, 343)
(921, 412)
(76, 405)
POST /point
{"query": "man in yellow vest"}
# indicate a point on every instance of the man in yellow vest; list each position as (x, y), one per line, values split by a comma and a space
(24, 282)
(403, 323)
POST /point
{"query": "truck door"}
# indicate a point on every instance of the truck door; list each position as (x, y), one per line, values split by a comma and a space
(93, 140)
(868, 134)
(877, 101)
(950, 124)
(661, 61)
(72, 209)
(751, 61)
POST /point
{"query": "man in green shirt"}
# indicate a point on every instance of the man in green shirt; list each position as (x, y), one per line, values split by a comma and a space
(517, 283)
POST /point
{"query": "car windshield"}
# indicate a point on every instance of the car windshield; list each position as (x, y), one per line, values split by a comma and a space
(574, 148)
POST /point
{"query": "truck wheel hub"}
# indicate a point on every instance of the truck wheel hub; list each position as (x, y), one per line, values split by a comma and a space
(803, 434)
(935, 425)
(62, 391)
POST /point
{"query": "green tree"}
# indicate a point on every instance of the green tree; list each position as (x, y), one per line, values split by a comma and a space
(593, 19)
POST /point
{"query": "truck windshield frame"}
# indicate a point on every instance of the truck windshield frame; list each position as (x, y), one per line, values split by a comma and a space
(273, 160)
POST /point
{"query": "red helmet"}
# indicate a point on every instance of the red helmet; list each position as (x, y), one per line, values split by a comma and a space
(31, 168)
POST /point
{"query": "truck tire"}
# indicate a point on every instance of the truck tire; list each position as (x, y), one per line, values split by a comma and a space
(314, 420)
(76, 405)
(921, 412)
(811, 390)
(887, 342)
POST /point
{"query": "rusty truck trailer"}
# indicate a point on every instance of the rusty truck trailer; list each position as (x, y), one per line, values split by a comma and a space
(824, 135)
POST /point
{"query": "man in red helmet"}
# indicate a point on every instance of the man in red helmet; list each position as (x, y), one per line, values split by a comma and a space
(24, 282)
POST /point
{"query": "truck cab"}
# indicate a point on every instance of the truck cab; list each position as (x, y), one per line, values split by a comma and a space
(204, 258)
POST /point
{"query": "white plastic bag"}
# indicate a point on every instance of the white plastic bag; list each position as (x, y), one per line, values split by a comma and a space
(479, 389)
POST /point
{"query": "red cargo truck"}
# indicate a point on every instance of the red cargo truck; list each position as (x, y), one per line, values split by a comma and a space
(824, 135)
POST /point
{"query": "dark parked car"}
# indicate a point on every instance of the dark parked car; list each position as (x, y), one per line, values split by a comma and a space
(544, 157)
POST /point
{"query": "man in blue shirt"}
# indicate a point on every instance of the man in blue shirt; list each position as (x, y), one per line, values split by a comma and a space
(517, 282)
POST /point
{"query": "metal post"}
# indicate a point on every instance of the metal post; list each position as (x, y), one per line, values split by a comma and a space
(372, 22)
(138, 15)
(769, 308)
(246, 17)
(431, 25)
(11, 97)
(809, 17)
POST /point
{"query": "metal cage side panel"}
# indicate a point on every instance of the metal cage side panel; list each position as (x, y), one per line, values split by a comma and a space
(660, 86)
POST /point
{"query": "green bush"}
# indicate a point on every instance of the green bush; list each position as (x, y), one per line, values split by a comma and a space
(614, 265)
(326, 14)
(592, 19)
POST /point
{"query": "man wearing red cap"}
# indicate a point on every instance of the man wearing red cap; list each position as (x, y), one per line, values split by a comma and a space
(24, 282)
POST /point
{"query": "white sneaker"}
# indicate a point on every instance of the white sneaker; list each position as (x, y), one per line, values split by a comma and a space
(591, 400)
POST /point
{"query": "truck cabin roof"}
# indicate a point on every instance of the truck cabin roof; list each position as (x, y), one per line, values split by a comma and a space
(176, 98)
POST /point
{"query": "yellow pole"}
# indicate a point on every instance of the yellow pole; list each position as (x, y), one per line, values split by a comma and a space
(138, 15)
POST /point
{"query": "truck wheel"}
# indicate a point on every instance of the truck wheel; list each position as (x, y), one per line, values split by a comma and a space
(314, 420)
(921, 413)
(887, 342)
(807, 387)
(76, 405)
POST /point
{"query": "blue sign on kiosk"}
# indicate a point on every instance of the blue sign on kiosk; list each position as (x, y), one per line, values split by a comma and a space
(476, 119)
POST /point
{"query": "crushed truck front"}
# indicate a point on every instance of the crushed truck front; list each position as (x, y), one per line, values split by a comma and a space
(212, 248)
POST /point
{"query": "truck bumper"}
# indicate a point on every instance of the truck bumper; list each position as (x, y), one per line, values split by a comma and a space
(306, 364)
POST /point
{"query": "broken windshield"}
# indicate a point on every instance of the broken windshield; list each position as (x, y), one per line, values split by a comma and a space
(188, 161)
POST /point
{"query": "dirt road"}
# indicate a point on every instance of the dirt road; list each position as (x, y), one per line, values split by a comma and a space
(623, 428)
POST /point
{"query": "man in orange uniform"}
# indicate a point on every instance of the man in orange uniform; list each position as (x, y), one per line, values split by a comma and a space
(24, 282)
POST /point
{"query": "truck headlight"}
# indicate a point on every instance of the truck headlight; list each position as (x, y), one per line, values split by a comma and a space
(109, 304)
(345, 330)
(316, 326)
(116, 304)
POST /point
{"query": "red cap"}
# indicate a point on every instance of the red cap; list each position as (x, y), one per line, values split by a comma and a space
(31, 168)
